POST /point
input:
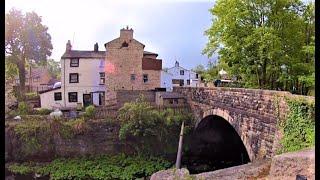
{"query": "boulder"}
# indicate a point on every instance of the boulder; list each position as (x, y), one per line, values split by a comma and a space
(293, 164)
(56, 114)
(17, 118)
(171, 174)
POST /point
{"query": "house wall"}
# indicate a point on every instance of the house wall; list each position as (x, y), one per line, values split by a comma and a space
(175, 74)
(166, 80)
(47, 100)
(121, 62)
(89, 79)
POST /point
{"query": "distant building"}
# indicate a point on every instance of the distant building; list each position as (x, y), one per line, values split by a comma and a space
(170, 99)
(38, 79)
(179, 76)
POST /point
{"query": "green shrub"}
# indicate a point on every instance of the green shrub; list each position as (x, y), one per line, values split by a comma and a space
(299, 127)
(151, 127)
(98, 167)
(90, 111)
(43, 111)
(23, 108)
(31, 95)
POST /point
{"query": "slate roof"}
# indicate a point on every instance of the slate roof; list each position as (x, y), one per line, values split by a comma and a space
(41, 92)
(149, 53)
(83, 54)
(171, 95)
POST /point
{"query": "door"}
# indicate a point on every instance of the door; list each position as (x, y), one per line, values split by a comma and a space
(101, 99)
(87, 100)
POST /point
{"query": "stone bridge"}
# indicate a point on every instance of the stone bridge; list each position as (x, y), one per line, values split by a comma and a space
(253, 113)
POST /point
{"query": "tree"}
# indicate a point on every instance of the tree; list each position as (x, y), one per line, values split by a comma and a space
(26, 38)
(54, 68)
(261, 41)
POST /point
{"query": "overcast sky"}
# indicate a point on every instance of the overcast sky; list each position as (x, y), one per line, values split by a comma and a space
(172, 29)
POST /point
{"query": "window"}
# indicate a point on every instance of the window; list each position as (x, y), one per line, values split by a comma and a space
(175, 81)
(102, 78)
(170, 101)
(73, 96)
(181, 72)
(175, 101)
(57, 96)
(125, 44)
(145, 78)
(73, 78)
(27, 79)
(74, 63)
(188, 82)
(37, 79)
(197, 76)
(132, 77)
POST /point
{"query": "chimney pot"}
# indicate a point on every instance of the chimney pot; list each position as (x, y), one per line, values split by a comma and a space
(68, 46)
(96, 47)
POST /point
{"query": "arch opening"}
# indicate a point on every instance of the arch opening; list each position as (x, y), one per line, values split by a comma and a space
(213, 145)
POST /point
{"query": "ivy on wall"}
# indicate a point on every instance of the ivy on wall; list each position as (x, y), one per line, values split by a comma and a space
(299, 126)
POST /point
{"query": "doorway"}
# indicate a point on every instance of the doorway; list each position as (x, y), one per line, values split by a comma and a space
(87, 100)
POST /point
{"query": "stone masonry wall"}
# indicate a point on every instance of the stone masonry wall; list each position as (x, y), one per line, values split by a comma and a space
(124, 96)
(252, 112)
(101, 138)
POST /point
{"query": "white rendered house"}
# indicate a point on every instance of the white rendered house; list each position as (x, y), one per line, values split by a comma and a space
(179, 76)
(82, 80)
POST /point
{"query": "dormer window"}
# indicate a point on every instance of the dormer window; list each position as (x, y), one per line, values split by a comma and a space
(74, 63)
(125, 44)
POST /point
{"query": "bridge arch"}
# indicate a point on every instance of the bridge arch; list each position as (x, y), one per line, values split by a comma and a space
(225, 114)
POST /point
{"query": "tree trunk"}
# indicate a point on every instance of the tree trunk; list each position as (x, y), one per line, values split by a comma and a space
(22, 78)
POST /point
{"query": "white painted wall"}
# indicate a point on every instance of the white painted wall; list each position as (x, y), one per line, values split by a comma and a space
(89, 79)
(166, 80)
(47, 100)
(174, 73)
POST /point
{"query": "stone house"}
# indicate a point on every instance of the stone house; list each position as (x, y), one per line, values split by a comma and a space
(128, 66)
(170, 99)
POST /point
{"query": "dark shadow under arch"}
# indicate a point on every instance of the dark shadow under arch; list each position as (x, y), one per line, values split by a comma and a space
(213, 145)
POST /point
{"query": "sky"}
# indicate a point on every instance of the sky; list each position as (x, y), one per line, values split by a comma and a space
(173, 29)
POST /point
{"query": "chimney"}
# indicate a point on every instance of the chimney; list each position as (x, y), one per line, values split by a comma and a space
(126, 34)
(96, 47)
(176, 64)
(68, 46)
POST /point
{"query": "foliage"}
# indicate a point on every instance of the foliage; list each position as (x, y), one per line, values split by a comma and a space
(32, 95)
(26, 38)
(99, 167)
(53, 68)
(23, 108)
(269, 44)
(90, 111)
(299, 127)
(43, 111)
(151, 127)
(37, 131)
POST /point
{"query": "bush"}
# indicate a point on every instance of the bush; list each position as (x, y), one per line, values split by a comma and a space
(23, 108)
(299, 127)
(31, 95)
(90, 111)
(43, 111)
(151, 127)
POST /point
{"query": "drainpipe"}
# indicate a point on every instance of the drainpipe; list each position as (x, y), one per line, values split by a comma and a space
(178, 161)
(64, 82)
